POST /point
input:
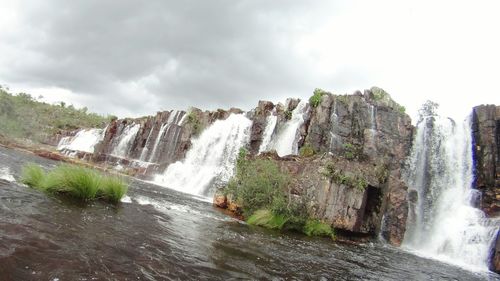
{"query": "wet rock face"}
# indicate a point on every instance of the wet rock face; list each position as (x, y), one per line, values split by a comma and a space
(486, 150)
(259, 115)
(158, 140)
(367, 128)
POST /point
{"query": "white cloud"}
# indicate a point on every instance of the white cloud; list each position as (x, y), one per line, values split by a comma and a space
(130, 61)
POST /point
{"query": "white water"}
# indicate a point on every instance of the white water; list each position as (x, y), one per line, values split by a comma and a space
(211, 159)
(174, 119)
(335, 140)
(271, 121)
(125, 140)
(373, 119)
(286, 141)
(443, 224)
(5, 174)
(145, 150)
(85, 140)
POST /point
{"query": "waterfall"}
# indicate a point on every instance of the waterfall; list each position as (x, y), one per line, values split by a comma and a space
(173, 123)
(211, 159)
(335, 140)
(84, 140)
(271, 121)
(286, 141)
(125, 140)
(373, 119)
(145, 150)
(442, 221)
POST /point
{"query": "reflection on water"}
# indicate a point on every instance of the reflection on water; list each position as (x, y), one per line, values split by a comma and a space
(159, 234)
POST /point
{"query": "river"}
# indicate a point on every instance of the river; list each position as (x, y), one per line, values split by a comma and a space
(161, 234)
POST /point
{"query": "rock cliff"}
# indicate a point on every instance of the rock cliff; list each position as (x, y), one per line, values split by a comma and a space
(365, 136)
(486, 150)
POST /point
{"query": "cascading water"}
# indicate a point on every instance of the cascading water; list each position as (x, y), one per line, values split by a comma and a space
(335, 140)
(171, 130)
(84, 140)
(442, 221)
(271, 121)
(286, 141)
(211, 159)
(145, 150)
(125, 140)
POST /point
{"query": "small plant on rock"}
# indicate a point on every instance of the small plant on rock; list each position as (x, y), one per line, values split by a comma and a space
(316, 98)
(306, 151)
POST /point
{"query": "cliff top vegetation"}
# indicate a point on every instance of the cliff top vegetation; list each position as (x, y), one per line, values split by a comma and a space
(24, 117)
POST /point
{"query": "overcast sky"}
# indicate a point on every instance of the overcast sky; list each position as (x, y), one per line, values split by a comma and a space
(132, 58)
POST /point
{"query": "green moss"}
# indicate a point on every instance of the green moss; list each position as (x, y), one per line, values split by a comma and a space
(81, 183)
(306, 151)
(314, 227)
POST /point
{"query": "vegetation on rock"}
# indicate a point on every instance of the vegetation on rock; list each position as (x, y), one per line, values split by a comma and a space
(77, 182)
(194, 121)
(340, 177)
(316, 98)
(306, 151)
(260, 188)
(22, 116)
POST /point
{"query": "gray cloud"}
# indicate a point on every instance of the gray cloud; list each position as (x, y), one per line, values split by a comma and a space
(136, 57)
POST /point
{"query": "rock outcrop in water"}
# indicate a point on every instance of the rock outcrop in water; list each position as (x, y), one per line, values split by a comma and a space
(366, 136)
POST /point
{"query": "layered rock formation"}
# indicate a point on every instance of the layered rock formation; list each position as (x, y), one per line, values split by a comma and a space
(486, 137)
(366, 136)
(486, 150)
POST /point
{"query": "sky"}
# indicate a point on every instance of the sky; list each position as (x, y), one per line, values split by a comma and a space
(134, 58)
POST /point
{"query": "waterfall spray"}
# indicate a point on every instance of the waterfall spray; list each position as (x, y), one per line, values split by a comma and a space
(442, 221)
(211, 159)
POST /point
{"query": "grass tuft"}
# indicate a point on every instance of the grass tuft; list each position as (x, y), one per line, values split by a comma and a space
(81, 183)
(33, 175)
(113, 188)
(266, 218)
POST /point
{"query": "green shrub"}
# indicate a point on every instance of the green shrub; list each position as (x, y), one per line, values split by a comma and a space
(33, 175)
(314, 227)
(306, 151)
(316, 98)
(257, 183)
(258, 187)
(194, 121)
(379, 94)
(81, 183)
(22, 116)
(288, 114)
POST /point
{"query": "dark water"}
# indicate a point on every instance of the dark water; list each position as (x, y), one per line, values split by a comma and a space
(165, 235)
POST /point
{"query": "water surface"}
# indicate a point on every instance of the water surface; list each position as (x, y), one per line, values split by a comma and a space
(165, 235)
